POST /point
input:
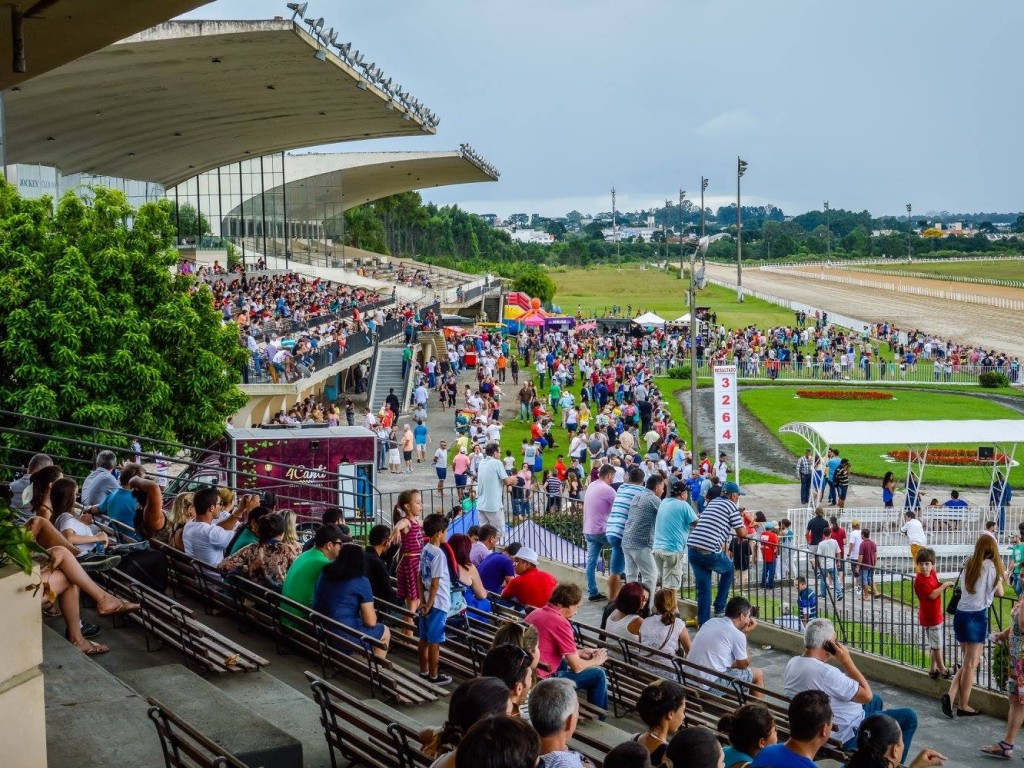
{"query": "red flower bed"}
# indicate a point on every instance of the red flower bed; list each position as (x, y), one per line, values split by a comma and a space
(950, 457)
(843, 394)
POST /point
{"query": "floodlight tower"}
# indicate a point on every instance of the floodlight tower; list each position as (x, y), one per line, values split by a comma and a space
(828, 233)
(703, 187)
(741, 168)
(615, 232)
(910, 234)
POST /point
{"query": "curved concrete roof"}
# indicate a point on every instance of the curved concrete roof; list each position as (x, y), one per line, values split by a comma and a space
(318, 181)
(58, 31)
(189, 96)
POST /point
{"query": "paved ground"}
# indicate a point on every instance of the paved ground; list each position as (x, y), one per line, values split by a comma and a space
(990, 327)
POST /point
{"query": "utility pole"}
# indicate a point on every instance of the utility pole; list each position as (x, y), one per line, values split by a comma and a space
(664, 230)
(828, 234)
(910, 234)
(682, 196)
(741, 167)
(615, 232)
(703, 187)
(693, 325)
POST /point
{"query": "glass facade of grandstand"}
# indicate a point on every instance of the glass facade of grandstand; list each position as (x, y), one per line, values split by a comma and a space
(246, 203)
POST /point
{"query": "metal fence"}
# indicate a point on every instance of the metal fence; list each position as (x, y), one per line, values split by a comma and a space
(881, 372)
(885, 626)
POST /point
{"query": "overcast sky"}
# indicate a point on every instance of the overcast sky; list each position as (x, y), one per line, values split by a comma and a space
(866, 103)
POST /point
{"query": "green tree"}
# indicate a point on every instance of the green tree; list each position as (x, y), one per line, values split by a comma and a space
(189, 222)
(98, 331)
(533, 282)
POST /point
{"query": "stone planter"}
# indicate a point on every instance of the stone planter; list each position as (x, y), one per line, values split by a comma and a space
(22, 707)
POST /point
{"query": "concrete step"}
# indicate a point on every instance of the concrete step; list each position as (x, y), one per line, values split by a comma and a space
(93, 720)
(220, 717)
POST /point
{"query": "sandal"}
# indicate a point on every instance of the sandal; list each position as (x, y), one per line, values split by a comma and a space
(89, 648)
(947, 675)
(934, 674)
(122, 606)
(1002, 749)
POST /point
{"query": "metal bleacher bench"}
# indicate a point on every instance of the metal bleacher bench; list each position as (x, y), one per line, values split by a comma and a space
(337, 649)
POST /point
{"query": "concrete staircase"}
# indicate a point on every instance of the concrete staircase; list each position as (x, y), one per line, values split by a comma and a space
(387, 375)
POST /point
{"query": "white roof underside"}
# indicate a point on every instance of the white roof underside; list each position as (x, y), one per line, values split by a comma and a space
(918, 433)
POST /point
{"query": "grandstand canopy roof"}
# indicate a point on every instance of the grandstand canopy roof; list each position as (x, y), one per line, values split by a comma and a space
(188, 96)
(58, 31)
(322, 181)
(988, 432)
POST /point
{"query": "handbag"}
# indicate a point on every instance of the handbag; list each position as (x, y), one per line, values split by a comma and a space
(954, 599)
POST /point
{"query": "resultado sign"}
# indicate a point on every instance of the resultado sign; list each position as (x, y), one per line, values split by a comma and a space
(726, 424)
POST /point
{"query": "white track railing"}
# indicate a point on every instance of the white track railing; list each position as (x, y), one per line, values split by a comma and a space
(914, 290)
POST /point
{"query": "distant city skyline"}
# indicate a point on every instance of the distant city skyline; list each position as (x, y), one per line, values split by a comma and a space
(869, 105)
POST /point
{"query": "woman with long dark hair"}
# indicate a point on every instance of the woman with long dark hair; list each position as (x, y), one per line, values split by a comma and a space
(468, 576)
(880, 745)
(343, 592)
(981, 581)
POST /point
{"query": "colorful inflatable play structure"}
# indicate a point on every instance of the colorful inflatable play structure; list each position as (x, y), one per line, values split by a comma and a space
(522, 312)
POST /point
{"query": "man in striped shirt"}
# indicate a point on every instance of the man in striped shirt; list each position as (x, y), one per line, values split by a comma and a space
(616, 525)
(804, 470)
(719, 521)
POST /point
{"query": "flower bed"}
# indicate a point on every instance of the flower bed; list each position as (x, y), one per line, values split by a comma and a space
(950, 457)
(843, 394)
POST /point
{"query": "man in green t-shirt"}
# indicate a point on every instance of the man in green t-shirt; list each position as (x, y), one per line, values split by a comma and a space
(554, 395)
(1018, 560)
(300, 582)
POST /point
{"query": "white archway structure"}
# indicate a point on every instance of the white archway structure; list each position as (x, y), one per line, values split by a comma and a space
(1002, 434)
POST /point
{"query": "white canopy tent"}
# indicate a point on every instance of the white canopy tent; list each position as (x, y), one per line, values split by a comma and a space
(650, 319)
(681, 320)
(1001, 434)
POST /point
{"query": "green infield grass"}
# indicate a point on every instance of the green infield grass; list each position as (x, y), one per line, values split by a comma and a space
(598, 288)
(777, 406)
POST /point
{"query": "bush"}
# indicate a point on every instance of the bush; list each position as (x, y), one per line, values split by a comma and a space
(993, 380)
(678, 372)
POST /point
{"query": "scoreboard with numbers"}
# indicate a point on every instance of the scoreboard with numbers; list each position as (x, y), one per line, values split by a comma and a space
(726, 425)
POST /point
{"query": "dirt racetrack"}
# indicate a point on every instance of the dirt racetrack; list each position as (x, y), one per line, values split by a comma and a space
(998, 329)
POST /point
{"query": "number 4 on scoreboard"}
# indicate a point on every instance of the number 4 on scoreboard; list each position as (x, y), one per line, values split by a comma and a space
(727, 434)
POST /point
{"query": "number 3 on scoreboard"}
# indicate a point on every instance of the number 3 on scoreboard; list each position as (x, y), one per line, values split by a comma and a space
(725, 381)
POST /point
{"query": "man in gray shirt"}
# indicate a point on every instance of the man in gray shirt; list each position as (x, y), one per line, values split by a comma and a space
(638, 536)
(101, 481)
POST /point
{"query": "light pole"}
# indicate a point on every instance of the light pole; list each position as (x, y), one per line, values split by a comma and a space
(682, 196)
(703, 187)
(741, 167)
(693, 342)
(615, 232)
(910, 234)
(828, 234)
(664, 228)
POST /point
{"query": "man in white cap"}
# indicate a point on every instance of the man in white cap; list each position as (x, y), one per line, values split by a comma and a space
(530, 586)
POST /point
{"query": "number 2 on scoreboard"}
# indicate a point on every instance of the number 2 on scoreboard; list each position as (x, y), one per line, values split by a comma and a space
(726, 400)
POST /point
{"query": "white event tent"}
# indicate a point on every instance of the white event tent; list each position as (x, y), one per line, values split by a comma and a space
(649, 320)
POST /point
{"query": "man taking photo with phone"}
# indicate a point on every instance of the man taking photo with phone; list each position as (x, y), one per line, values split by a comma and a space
(849, 694)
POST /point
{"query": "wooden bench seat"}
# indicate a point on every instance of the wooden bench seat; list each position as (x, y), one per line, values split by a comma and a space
(166, 622)
(184, 746)
(336, 648)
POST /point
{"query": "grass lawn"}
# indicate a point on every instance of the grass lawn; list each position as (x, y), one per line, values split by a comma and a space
(597, 289)
(990, 270)
(777, 406)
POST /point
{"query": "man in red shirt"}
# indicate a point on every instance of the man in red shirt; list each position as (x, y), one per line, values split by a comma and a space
(530, 586)
(559, 656)
(769, 546)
